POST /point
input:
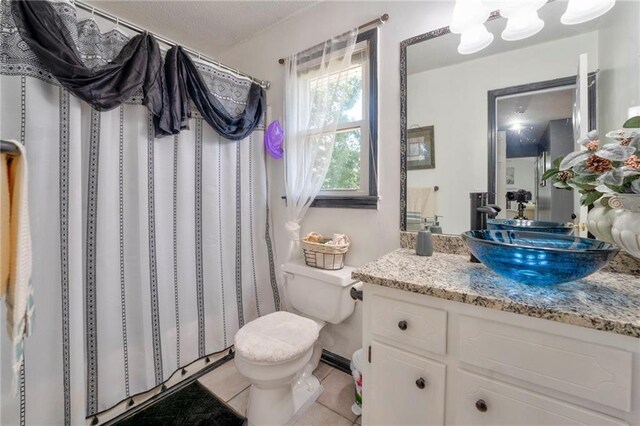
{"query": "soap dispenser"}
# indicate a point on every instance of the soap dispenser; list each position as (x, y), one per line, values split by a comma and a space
(436, 228)
(424, 243)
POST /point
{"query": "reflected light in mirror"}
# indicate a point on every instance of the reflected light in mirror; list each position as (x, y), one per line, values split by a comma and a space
(516, 126)
(522, 19)
(579, 11)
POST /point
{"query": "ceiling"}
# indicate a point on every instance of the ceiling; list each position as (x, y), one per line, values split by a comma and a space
(536, 107)
(210, 27)
(532, 112)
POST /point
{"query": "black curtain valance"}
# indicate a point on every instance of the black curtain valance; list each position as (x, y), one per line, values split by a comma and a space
(184, 81)
(137, 67)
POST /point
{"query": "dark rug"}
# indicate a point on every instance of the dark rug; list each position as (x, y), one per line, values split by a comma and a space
(192, 406)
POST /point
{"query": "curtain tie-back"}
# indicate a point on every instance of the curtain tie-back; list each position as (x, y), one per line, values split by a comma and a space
(293, 230)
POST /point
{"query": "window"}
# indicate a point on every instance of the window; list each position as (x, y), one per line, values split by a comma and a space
(351, 180)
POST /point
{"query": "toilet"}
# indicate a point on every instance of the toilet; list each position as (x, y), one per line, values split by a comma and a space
(277, 353)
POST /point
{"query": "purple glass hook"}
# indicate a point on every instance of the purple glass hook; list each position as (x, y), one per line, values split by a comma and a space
(273, 139)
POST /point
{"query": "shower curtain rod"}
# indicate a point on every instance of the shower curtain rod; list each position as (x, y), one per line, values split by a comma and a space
(95, 11)
(378, 21)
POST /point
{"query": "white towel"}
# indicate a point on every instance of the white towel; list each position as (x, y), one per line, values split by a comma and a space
(16, 252)
(421, 200)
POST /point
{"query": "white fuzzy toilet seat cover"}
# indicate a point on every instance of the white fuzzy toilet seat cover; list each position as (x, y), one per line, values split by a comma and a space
(276, 337)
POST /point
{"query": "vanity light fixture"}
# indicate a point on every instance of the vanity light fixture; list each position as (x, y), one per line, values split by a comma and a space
(579, 11)
(468, 21)
(522, 18)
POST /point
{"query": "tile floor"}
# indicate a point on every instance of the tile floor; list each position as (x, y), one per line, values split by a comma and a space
(333, 407)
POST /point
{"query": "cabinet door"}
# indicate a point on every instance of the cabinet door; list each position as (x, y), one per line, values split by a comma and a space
(404, 389)
(482, 401)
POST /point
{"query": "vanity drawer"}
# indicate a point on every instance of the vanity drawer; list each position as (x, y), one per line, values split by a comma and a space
(596, 373)
(414, 327)
(482, 401)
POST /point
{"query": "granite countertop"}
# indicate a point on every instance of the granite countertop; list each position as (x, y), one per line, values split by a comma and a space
(603, 301)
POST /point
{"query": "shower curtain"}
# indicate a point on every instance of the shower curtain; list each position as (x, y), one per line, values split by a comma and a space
(148, 253)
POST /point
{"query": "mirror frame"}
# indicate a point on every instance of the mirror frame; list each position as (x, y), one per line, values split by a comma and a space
(403, 115)
(404, 44)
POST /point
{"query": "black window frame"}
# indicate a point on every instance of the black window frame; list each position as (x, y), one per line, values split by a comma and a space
(363, 201)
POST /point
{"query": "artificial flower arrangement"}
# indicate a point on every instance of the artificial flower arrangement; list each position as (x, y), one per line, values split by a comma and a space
(601, 168)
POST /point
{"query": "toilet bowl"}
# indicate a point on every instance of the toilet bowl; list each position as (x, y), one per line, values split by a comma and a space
(277, 353)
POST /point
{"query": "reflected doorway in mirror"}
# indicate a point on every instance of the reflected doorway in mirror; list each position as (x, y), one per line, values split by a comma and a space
(420, 148)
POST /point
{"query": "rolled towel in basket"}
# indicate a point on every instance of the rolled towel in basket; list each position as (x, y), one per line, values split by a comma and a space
(338, 240)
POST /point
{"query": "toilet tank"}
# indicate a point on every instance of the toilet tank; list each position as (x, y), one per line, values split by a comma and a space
(319, 293)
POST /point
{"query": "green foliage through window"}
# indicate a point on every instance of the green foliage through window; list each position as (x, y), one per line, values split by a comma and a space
(344, 170)
(339, 96)
(346, 106)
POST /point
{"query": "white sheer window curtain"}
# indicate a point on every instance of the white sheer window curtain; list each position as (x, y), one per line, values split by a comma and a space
(313, 107)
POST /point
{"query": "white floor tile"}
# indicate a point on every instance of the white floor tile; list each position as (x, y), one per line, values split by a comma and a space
(322, 371)
(240, 401)
(319, 415)
(339, 394)
(225, 381)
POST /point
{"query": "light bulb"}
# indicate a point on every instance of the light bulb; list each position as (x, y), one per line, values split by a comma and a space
(579, 11)
(474, 39)
(467, 14)
(522, 19)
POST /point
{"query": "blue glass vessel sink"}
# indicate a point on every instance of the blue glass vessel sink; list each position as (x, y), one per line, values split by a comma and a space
(539, 258)
(529, 226)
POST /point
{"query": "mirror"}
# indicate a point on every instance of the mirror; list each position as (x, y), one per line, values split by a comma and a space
(495, 120)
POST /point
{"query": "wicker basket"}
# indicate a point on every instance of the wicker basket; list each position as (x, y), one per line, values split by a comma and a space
(324, 256)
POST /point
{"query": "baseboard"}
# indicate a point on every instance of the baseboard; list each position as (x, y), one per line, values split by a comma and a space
(336, 361)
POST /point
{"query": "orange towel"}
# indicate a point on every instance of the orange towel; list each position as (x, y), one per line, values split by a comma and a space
(15, 265)
(5, 214)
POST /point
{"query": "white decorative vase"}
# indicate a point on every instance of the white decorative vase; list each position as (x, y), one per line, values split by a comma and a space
(626, 226)
(600, 219)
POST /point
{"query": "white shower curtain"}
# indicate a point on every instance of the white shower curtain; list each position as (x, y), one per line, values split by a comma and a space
(148, 253)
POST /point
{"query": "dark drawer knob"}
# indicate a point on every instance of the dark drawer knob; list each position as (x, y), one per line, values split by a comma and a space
(481, 405)
(421, 383)
(402, 325)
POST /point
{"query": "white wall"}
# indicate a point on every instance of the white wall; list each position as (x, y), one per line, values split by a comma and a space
(454, 100)
(525, 174)
(373, 232)
(619, 77)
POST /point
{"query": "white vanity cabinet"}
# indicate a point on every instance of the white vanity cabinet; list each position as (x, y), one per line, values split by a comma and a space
(437, 362)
